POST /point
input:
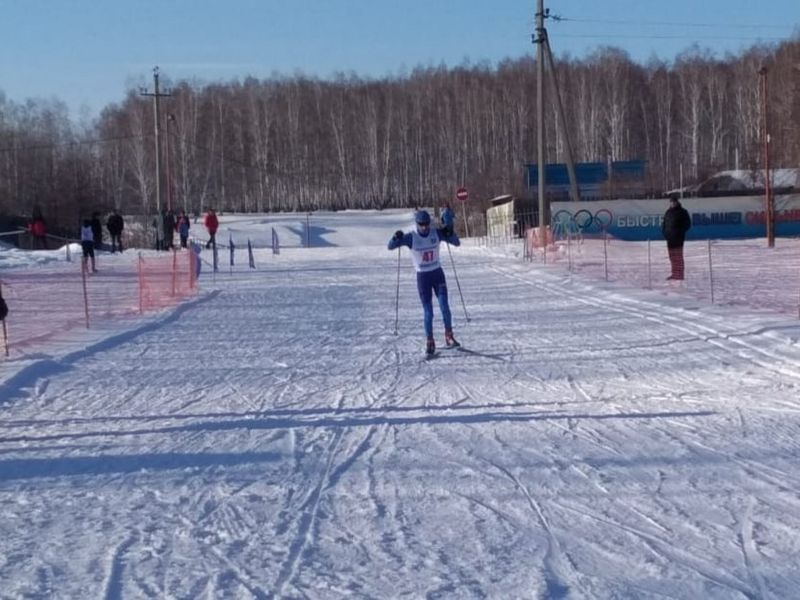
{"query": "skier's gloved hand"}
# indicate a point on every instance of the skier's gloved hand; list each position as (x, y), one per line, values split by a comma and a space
(398, 235)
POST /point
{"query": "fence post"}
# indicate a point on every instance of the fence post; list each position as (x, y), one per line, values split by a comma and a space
(710, 272)
(192, 258)
(174, 270)
(141, 285)
(649, 268)
(569, 252)
(605, 253)
(85, 291)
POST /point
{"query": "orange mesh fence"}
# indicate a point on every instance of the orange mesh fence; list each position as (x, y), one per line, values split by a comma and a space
(165, 279)
(49, 301)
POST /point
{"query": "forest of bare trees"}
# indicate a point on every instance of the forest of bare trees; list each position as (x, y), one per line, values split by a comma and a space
(298, 143)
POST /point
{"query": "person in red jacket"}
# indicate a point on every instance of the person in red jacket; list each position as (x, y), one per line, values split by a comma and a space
(212, 224)
(38, 230)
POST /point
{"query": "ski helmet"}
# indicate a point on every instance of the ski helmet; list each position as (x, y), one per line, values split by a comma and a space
(421, 217)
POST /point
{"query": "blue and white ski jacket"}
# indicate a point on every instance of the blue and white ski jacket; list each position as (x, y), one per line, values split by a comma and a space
(425, 248)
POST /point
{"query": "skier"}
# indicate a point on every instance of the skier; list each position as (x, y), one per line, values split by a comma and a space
(424, 244)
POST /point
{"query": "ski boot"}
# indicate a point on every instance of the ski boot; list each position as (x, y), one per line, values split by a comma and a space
(430, 347)
(449, 340)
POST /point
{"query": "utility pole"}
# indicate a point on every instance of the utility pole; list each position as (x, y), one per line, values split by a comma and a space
(170, 119)
(543, 53)
(156, 118)
(769, 201)
(574, 191)
(538, 39)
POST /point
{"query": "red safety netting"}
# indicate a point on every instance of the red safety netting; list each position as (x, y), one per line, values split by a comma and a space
(166, 279)
(49, 301)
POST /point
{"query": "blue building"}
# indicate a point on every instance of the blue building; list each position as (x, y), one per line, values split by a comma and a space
(596, 180)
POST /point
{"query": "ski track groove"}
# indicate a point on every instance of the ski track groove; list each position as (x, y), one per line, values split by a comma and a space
(749, 551)
(114, 582)
(556, 581)
(310, 508)
(672, 553)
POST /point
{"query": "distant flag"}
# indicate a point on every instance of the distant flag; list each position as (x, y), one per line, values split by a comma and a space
(250, 254)
(232, 247)
(276, 248)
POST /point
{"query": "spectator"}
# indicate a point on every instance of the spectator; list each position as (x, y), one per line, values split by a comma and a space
(97, 231)
(674, 227)
(183, 228)
(212, 224)
(87, 244)
(169, 229)
(158, 224)
(448, 218)
(115, 225)
(38, 230)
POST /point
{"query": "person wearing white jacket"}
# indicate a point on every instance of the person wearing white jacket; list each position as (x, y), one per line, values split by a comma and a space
(87, 243)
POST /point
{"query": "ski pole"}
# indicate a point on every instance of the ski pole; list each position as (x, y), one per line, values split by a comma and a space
(397, 296)
(457, 283)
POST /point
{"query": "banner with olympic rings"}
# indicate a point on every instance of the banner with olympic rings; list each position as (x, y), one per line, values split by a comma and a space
(712, 218)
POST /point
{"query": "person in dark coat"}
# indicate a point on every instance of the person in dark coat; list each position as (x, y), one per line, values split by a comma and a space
(158, 224)
(448, 218)
(169, 230)
(97, 230)
(674, 227)
(115, 225)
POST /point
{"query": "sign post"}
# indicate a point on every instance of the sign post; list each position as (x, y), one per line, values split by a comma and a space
(462, 195)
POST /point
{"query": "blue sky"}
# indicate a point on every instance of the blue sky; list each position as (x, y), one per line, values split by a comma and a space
(88, 52)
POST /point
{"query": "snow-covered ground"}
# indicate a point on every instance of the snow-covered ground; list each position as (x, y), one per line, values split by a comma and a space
(273, 437)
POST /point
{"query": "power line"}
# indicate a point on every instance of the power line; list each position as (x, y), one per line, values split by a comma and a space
(672, 37)
(671, 23)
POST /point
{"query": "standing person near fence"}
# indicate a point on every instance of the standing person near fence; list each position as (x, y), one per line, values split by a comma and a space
(448, 218)
(97, 231)
(212, 224)
(169, 229)
(87, 243)
(424, 245)
(183, 228)
(158, 224)
(115, 225)
(674, 227)
(38, 230)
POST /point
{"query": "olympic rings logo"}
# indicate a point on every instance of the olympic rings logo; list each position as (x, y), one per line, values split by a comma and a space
(584, 220)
